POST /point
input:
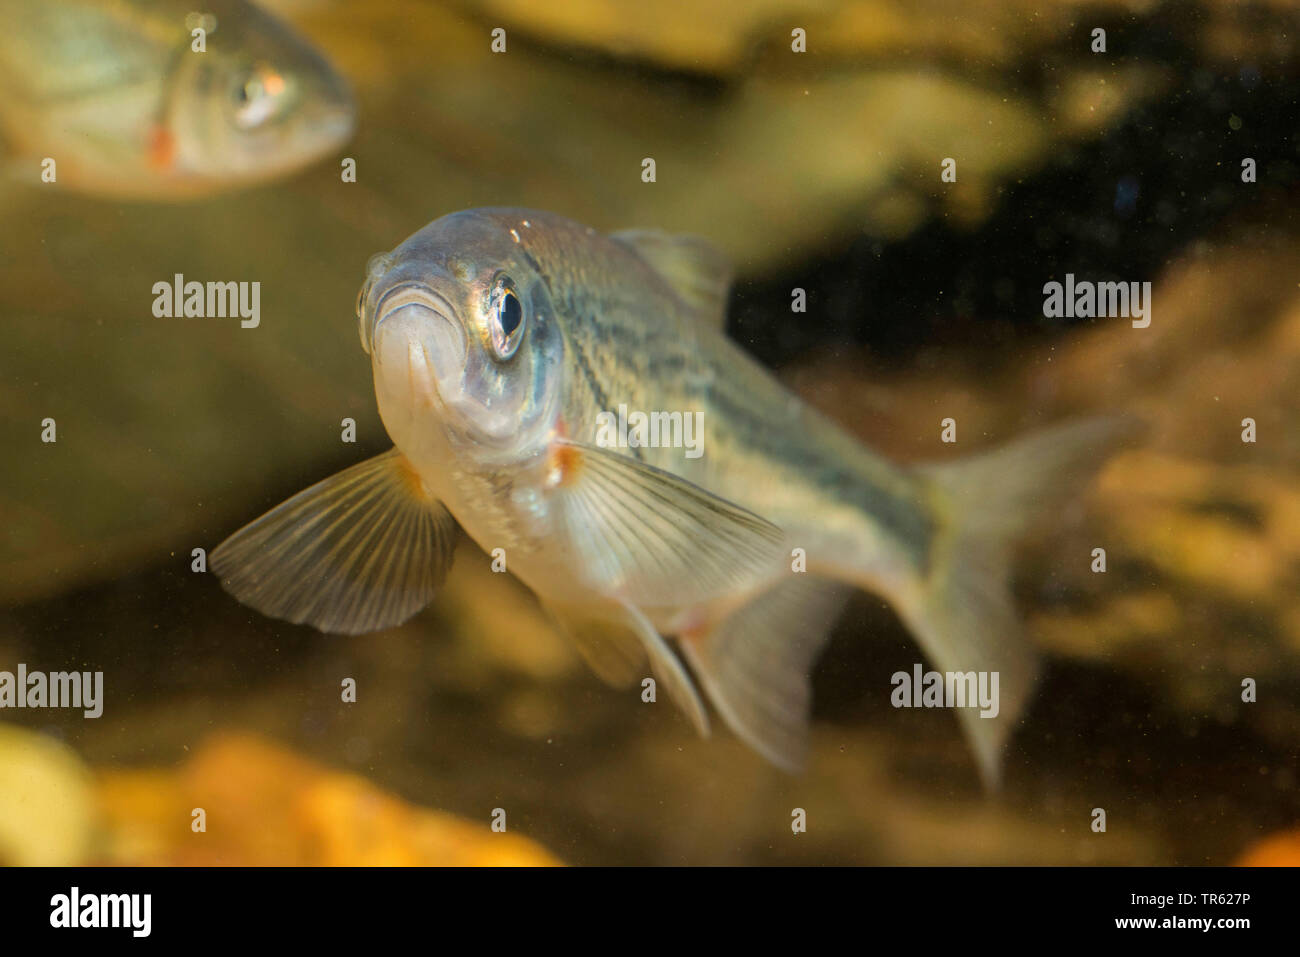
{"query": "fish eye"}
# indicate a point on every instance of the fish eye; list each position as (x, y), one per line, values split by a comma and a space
(505, 320)
(258, 96)
(509, 314)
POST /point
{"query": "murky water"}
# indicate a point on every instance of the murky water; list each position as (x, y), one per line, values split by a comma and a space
(821, 171)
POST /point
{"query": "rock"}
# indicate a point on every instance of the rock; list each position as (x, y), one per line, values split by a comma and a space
(1276, 850)
(266, 806)
(46, 802)
(722, 39)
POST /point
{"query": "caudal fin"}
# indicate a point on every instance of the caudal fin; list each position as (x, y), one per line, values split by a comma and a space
(962, 614)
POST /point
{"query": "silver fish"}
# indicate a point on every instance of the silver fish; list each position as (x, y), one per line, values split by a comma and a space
(502, 340)
(115, 94)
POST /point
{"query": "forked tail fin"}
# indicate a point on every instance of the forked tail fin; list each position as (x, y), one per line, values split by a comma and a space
(962, 613)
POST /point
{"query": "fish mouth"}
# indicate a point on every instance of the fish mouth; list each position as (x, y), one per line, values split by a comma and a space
(420, 357)
(417, 344)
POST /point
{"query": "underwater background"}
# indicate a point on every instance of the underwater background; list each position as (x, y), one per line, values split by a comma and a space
(818, 170)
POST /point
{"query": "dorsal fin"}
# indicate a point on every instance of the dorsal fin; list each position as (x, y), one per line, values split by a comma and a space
(697, 270)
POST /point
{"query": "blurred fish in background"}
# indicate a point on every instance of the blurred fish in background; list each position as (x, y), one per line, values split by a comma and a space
(149, 100)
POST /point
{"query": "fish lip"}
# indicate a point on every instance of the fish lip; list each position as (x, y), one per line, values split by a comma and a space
(440, 345)
(412, 291)
(407, 293)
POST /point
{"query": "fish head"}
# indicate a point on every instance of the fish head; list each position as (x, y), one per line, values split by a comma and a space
(463, 340)
(259, 103)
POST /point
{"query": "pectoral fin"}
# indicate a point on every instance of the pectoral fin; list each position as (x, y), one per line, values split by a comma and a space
(654, 540)
(363, 550)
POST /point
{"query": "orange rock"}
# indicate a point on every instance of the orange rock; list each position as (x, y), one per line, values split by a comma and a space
(265, 805)
(1276, 850)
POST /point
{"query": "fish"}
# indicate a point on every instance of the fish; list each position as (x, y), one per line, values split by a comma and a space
(502, 341)
(114, 92)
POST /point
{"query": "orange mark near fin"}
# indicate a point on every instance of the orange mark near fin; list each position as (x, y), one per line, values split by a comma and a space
(695, 628)
(162, 148)
(564, 462)
(414, 483)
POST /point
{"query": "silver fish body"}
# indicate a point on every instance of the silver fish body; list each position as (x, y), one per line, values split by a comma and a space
(503, 340)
